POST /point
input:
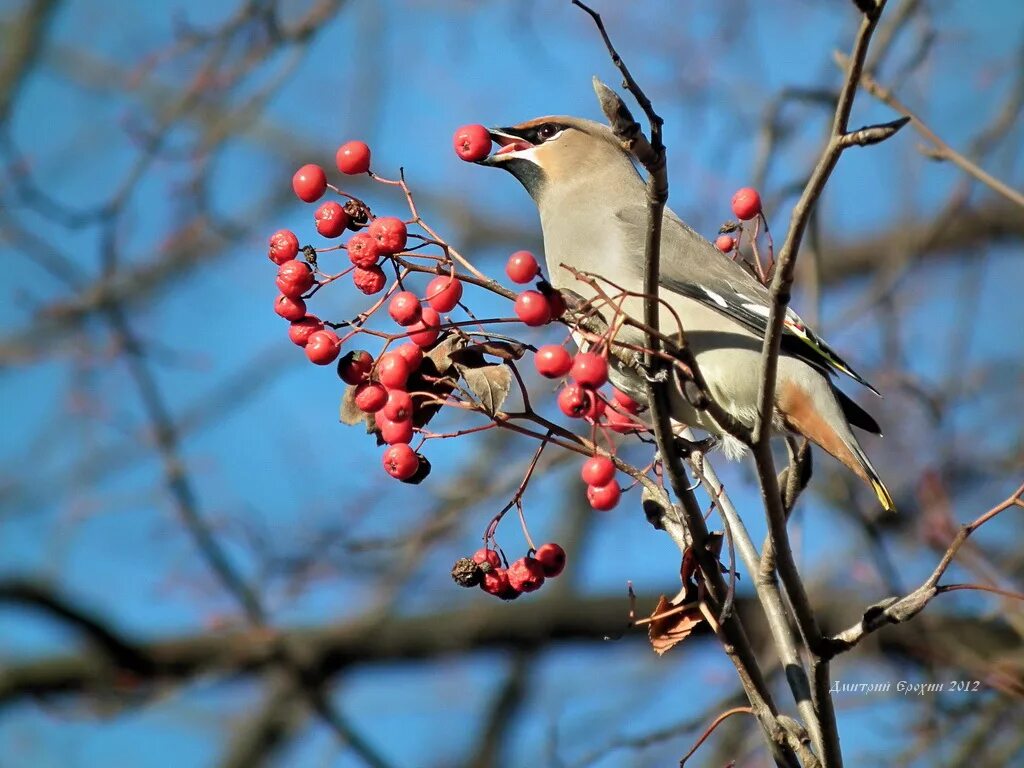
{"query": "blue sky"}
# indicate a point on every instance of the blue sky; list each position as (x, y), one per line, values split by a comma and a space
(280, 464)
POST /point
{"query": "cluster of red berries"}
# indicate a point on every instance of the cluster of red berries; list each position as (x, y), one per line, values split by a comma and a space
(381, 383)
(527, 574)
(581, 398)
(533, 307)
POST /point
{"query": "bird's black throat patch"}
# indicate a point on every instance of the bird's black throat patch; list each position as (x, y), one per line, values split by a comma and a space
(529, 174)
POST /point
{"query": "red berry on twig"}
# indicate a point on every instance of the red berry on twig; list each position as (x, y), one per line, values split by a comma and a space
(746, 203)
(401, 461)
(354, 367)
(495, 582)
(370, 280)
(394, 432)
(309, 183)
(522, 267)
(575, 401)
(413, 355)
(323, 347)
(444, 293)
(526, 575)
(552, 361)
(404, 308)
(625, 401)
(301, 329)
(392, 370)
(353, 157)
(589, 369)
(425, 331)
(370, 397)
(289, 308)
(598, 470)
(551, 558)
(532, 308)
(363, 250)
(284, 246)
(725, 243)
(390, 234)
(330, 219)
(398, 406)
(604, 497)
(489, 556)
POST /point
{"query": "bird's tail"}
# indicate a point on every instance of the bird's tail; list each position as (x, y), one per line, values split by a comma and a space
(884, 497)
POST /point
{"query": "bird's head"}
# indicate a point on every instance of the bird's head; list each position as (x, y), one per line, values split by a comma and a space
(557, 151)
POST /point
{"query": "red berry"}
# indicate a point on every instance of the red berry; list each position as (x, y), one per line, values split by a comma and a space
(294, 278)
(532, 308)
(354, 367)
(353, 157)
(522, 267)
(323, 347)
(394, 432)
(746, 203)
(309, 183)
(401, 461)
(425, 331)
(284, 246)
(597, 408)
(390, 234)
(526, 575)
(489, 556)
(725, 243)
(627, 403)
(575, 401)
(289, 308)
(370, 397)
(413, 355)
(551, 558)
(589, 369)
(556, 304)
(398, 406)
(303, 328)
(495, 582)
(552, 361)
(472, 142)
(598, 470)
(363, 250)
(404, 308)
(330, 219)
(603, 497)
(621, 423)
(369, 281)
(444, 293)
(392, 370)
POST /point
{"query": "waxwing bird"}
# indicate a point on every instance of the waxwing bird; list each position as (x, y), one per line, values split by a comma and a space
(593, 213)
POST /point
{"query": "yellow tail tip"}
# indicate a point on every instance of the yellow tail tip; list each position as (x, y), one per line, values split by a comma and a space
(884, 497)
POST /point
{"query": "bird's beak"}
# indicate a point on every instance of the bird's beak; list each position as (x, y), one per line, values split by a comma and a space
(510, 145)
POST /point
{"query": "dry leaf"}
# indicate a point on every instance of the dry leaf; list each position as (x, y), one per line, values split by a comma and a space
(490, 383)
(503, 350)
(670, 626)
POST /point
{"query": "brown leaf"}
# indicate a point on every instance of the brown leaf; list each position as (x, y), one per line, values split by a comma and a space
(489, 383)
(472, 355)
(348, 413)
(665, 631)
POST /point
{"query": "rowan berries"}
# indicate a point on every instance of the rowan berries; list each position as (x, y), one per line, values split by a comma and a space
(746, 203)
(353, 157)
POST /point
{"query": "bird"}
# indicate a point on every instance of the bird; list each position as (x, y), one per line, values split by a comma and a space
(592, 202)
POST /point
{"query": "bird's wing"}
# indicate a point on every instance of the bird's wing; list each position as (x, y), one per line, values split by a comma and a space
(693, 267)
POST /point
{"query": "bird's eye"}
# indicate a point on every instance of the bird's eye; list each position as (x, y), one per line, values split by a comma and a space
(547, 131)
